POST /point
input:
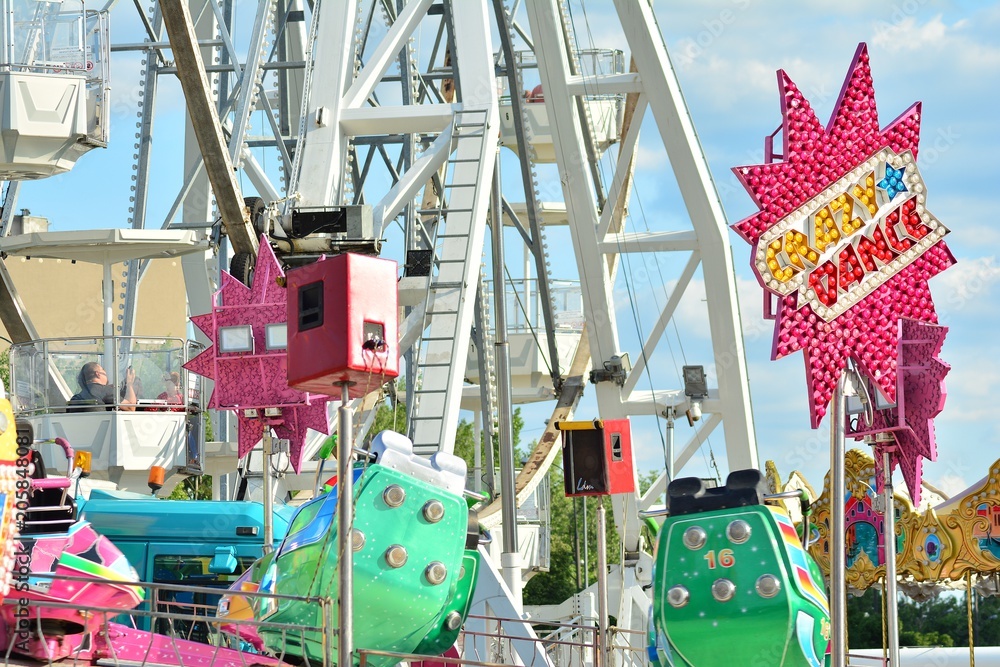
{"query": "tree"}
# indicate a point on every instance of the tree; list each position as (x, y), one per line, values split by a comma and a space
(5, 369)
(389, 418)
(193, 488)
(565, 522)
(942, 621)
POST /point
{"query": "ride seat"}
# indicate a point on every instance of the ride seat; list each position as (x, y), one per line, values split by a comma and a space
(51, 507)
(689, 495)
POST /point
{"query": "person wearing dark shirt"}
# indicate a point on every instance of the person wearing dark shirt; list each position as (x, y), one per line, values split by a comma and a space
(97, 394)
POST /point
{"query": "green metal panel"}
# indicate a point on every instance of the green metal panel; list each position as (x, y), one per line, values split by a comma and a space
(395, 608)
(790, 629)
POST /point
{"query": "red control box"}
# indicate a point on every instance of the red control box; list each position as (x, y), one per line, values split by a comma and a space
(342, 325)
(597, 457)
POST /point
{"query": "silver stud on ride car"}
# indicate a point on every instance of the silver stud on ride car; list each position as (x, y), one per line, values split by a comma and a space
(396, 555)
(694, 537)
(678, 596)
(738, 531)
(723, 590)
(394, 495)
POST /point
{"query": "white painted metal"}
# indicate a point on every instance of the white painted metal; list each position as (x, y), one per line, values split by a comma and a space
(578, 192)
(338, 106)
(694, 179)
(467, 194)
(493, 598)
(707, 244)
(45, 116)
(123, 445)
(250, 80)
(450, 301)
(317, 176)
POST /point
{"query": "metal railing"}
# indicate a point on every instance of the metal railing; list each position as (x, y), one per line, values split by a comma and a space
(565, 644)
(47, 373)
(187, 632)
(524, 306)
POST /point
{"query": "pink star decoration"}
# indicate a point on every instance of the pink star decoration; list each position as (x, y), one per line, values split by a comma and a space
(842, 289)
(920, 396)
(257, 379)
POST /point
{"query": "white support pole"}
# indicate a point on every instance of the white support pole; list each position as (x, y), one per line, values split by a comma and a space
(477, 457)
(317, 175)
(603, 652)
(669, 453)
(838, 538)
(108, 289)
(267, 444)
(510, 557)
(345, 527)
(891, 603)
(694, 179)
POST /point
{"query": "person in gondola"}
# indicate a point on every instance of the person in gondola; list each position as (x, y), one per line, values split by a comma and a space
(97, 394)
(171, 395)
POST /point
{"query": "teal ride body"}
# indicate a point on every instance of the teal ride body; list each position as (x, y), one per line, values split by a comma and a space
(732, 583)
(196, 542)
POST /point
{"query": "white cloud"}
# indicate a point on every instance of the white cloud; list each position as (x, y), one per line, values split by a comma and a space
(966, 285)
(651, 157)
(951, 484)
(906, 34)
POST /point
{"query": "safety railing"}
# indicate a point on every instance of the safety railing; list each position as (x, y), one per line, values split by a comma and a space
(565, 644)
(49, 375)
(854, 660)
(186, 629)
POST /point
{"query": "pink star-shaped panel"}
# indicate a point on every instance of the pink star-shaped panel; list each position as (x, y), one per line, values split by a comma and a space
(257, 379)
(920, 397)
(841, 290)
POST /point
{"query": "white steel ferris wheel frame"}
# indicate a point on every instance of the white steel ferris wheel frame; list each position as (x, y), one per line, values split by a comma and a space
(339, 107)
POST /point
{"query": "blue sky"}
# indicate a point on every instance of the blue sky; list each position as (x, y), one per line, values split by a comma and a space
(726, 53)
(945, 54)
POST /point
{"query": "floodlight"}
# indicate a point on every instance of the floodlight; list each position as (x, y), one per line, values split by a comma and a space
(276, 336)
(695, 382)
(236, 339)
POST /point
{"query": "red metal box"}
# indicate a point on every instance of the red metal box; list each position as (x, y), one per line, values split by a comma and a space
(597, 457)
(342, 325)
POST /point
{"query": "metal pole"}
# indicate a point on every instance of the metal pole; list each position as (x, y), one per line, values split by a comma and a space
(576, 544)
(603, 653)
(586, 547)
(345, 527)
(268, 492)
(891, 604)
(477, 452)
(109, 295)
(670, 444)
(838, 539)
(510, 558)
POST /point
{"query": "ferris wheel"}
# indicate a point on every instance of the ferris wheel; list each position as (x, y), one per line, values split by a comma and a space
(417, 129)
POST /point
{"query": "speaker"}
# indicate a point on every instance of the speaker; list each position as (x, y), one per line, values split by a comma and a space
(342, 325)
(585, 470)
(597, 457)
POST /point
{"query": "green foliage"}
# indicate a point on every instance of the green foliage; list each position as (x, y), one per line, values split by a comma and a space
(566, 515)
(647, 479)
(193, 488)
(943, 621)
(5, 368)
(387, 419)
